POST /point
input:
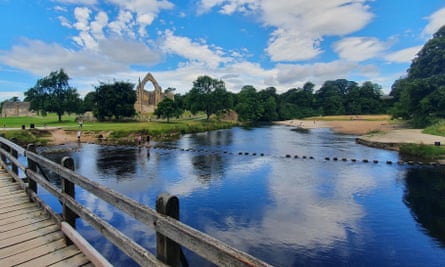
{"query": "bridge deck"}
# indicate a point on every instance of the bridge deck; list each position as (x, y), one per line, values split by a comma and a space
(28, 235)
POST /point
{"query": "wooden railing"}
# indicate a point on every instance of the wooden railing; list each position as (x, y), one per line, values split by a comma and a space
(171, 233)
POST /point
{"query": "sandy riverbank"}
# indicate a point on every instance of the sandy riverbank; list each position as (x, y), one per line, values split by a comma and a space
(378, 133)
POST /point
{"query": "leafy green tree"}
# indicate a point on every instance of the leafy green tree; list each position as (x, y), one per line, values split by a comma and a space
(89, 102)
(297, 103)
(209, 95)
(249, 106)
(114, 101)
(419, 95)
(53, 94)
(167, 109)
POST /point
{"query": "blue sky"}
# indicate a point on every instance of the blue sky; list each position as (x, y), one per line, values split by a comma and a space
(280, 43)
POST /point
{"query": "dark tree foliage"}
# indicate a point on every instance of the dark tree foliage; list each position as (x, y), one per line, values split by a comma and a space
(209, 95)
(248, 105)
(419, 96)
(54, 94)
(114, 101)
(334, 97)
(167, 109)
(89, 102)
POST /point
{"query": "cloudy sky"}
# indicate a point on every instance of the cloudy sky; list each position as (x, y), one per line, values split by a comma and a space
(280, 43)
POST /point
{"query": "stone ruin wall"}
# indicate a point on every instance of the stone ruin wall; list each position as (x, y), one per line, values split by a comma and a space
(16, 109)
(147, 101)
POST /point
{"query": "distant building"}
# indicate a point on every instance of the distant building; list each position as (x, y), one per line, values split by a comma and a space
(147, 101)
(16, 109)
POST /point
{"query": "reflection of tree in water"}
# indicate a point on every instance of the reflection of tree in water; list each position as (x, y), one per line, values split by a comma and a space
(425, 196)
(208, 167)
(214, 138)
(120, 162)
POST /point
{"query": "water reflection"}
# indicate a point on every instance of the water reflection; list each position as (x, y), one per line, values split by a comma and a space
(116, 162)
(425, 196)
(286, 211)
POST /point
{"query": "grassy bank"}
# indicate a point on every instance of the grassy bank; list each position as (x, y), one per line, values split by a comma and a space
(116, 132)
(424, 152)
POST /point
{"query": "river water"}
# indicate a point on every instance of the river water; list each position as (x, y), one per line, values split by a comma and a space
(247, 188)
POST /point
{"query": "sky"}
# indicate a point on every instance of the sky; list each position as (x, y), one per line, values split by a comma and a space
(264, 43)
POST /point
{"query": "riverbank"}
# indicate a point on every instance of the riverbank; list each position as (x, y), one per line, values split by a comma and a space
(380, 133)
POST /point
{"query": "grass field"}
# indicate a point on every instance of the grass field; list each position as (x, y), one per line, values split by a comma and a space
(12, 127)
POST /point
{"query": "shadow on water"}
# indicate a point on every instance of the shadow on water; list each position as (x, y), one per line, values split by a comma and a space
(116, 162)
(425, 196)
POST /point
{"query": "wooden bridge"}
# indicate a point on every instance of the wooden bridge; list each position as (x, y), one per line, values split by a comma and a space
(32, 234)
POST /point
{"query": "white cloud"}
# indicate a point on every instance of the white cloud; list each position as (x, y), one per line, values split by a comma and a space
(299, 25)
(316, 73)
(403, 56)
(123, 25)
(302, 25)
(42, 58)
(291, 46)
(145, 11)
(64, 22)
(359, 48)
(98, 25)
(192, 51)
(436, 20)
(82, 15)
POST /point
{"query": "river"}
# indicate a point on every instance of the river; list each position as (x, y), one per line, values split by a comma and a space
(272, 192)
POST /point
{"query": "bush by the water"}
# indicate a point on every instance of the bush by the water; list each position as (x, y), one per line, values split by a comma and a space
(422, 151)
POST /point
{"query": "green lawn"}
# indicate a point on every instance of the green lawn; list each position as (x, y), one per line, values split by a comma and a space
(116, 130)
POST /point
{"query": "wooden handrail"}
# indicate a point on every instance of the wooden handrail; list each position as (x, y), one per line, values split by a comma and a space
(202, 244)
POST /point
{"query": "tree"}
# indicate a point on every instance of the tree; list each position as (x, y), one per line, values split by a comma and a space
(419, 95)
(167, 109)
(209, 95)
(249, 107)
(114, 101)
(89, 102)
(53, 94)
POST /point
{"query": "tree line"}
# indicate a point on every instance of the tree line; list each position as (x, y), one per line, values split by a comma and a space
(113, 101)
(419, 97)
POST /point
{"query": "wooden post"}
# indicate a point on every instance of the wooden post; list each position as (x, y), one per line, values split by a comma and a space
(14, 167)
(3, 157)
(68, 188)
(167, 250)
(32, 185)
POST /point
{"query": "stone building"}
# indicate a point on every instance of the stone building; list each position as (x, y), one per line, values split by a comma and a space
(16, 109)
(147, 101)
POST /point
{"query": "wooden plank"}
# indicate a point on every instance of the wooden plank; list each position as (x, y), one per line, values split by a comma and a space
(6, 216)
(77, 260)
(17, 207)
(8, 185)
(12, 195)
(9, 189)
(18, 199)
(30, 244)
(27, 228)
(53, 257)
(21, 216)
(28, 236)
(33, 253)
(19, 225)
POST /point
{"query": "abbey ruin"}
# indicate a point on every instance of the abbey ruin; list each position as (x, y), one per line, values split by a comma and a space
(147, 101)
